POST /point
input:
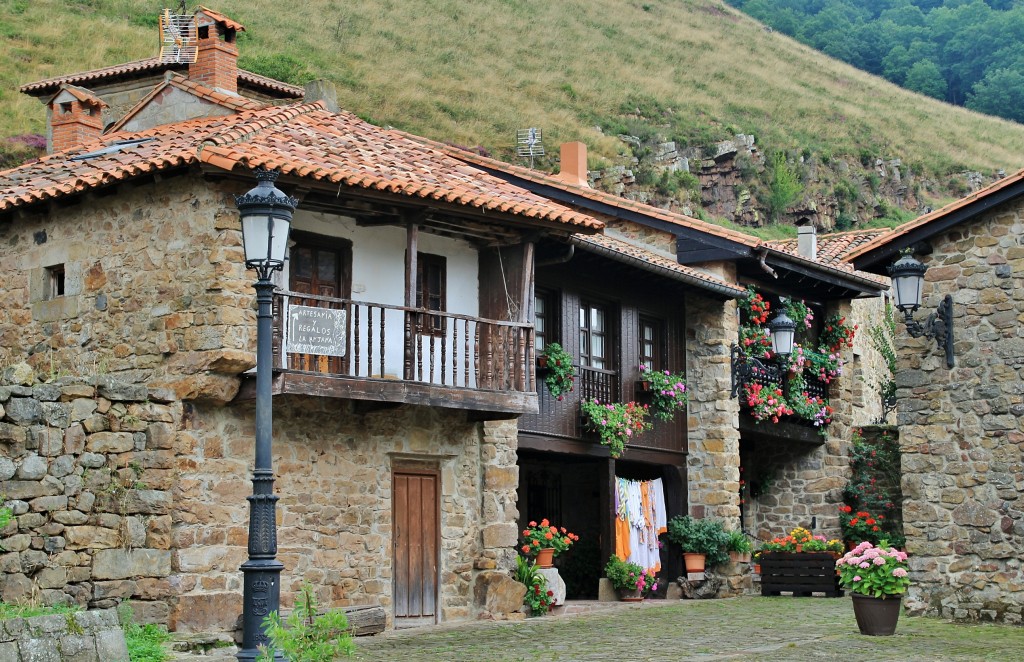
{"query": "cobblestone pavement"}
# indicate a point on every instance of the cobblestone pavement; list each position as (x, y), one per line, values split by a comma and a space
(743, 628)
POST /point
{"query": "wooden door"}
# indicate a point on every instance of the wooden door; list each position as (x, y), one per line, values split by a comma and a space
(322, 266)
(416, 539)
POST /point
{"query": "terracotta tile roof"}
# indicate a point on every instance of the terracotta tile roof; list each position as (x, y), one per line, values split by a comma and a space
(83, 95)
(147, 66)
(233, 102)
(221, 18)
(978, 196)
(302, 140)
(595, 195)
(630, 253)
(833, 248)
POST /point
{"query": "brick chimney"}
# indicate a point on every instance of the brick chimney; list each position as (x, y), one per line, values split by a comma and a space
(75, 117)
(216, 62)
(806, 239)
(574, 164)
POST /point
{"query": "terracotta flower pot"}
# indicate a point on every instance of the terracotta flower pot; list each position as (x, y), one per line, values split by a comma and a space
(545, 557)
(630, 595)
(877, 616)
(693, 562)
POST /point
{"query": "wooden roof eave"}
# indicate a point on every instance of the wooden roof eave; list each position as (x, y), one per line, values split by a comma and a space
(404, 204)
(571, 199)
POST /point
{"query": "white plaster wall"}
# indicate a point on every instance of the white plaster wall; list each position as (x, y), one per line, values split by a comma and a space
(378, 276)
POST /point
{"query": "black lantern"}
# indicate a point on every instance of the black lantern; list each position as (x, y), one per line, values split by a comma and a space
(907, 283)
(908, 290)
(782, 330)
(266, 215)
(266, 220)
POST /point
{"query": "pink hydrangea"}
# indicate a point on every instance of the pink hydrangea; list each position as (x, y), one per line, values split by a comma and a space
(899, 572)
(879, 561)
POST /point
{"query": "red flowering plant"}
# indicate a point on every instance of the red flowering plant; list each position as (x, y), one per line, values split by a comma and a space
(861, 526)
(561, 374)
(836, 334)
(616, 423)
(755, 307)
(538, 598)
(544, 535)
(766, 403)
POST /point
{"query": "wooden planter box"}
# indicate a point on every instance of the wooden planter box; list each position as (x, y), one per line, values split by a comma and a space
(801, 574)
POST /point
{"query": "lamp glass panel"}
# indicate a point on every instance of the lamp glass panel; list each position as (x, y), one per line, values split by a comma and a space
(907, 291)
(782, 341)
(265, 238)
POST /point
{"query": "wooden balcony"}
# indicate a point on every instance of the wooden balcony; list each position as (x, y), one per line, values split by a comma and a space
(365, 351)
(558, 425)
(789, 428)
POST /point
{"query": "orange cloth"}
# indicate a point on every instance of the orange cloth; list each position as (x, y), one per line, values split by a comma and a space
(621, 538)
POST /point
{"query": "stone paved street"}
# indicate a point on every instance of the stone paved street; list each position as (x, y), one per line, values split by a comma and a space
(742, 628)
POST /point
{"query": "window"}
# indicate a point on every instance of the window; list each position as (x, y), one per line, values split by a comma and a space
(54, 285)
(544, 319)
(651, 350)
(431, 274)
(594, 350)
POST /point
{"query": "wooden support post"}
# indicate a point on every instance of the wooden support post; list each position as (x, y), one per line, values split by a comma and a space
(411, 248)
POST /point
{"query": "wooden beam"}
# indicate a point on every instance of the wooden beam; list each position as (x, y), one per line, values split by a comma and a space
(487, 402)
(538, 442)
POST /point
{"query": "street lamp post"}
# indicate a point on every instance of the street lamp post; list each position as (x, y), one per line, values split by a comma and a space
(266, 215)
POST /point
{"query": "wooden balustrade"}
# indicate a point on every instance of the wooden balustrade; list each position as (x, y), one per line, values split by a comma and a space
(387, 342)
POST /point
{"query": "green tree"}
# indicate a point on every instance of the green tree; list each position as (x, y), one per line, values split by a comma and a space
(925, 77)
(784, 187)
(1001, 93)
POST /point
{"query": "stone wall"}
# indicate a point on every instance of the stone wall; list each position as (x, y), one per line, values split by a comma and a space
(962, 429)
(155, 291)
(86, 471)
(713, 424)
(117, 496)
(335, 512)
(93, 636)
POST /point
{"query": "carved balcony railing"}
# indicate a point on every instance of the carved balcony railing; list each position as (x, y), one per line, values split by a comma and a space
(375, 351)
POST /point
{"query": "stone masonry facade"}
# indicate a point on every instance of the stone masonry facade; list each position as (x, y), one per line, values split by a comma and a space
(127, 463)
(962, 429)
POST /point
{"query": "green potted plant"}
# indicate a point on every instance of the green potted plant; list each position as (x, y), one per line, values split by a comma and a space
(615, 423)
(877, 575)
(561, 375)
(667, 391)
(538, 598)
(703, 541)
(546, 541)
(739, 547)
(630, 580)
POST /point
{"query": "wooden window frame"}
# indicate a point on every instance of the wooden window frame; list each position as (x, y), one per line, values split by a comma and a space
(431, 325)
(550, 317)
(658, 360)
(586, 357)
(55, 284)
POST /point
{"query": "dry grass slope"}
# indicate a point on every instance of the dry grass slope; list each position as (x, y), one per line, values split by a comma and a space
(473, 72)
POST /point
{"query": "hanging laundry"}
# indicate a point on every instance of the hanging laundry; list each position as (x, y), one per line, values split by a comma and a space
(639, 518)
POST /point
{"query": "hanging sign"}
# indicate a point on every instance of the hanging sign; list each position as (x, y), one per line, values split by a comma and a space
(316, 331)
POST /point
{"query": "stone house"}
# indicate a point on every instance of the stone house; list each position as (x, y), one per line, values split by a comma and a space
(962, 426)
(128, 331)
(667, 285)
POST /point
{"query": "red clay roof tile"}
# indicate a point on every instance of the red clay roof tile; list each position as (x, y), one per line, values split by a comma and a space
(221, 18)
(145, 67)
(303, 140)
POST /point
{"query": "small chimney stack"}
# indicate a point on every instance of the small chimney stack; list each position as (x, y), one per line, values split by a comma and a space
(322, 90)
(75, 117)
(216, 64)
(574, 164)
(806, 239)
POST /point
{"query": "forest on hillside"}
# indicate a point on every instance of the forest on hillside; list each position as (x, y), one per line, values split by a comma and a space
(965, 52)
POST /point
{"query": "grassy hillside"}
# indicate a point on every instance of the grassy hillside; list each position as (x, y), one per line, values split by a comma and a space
(473, 72)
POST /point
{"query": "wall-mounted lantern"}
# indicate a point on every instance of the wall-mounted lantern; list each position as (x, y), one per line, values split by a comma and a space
(908, 287)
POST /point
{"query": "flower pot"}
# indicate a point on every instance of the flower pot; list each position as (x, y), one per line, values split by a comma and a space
(693, 562)
(545, 557)
(877, 616)
(739, 557)
(630, 595)
(757, 568)
(542, 361)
